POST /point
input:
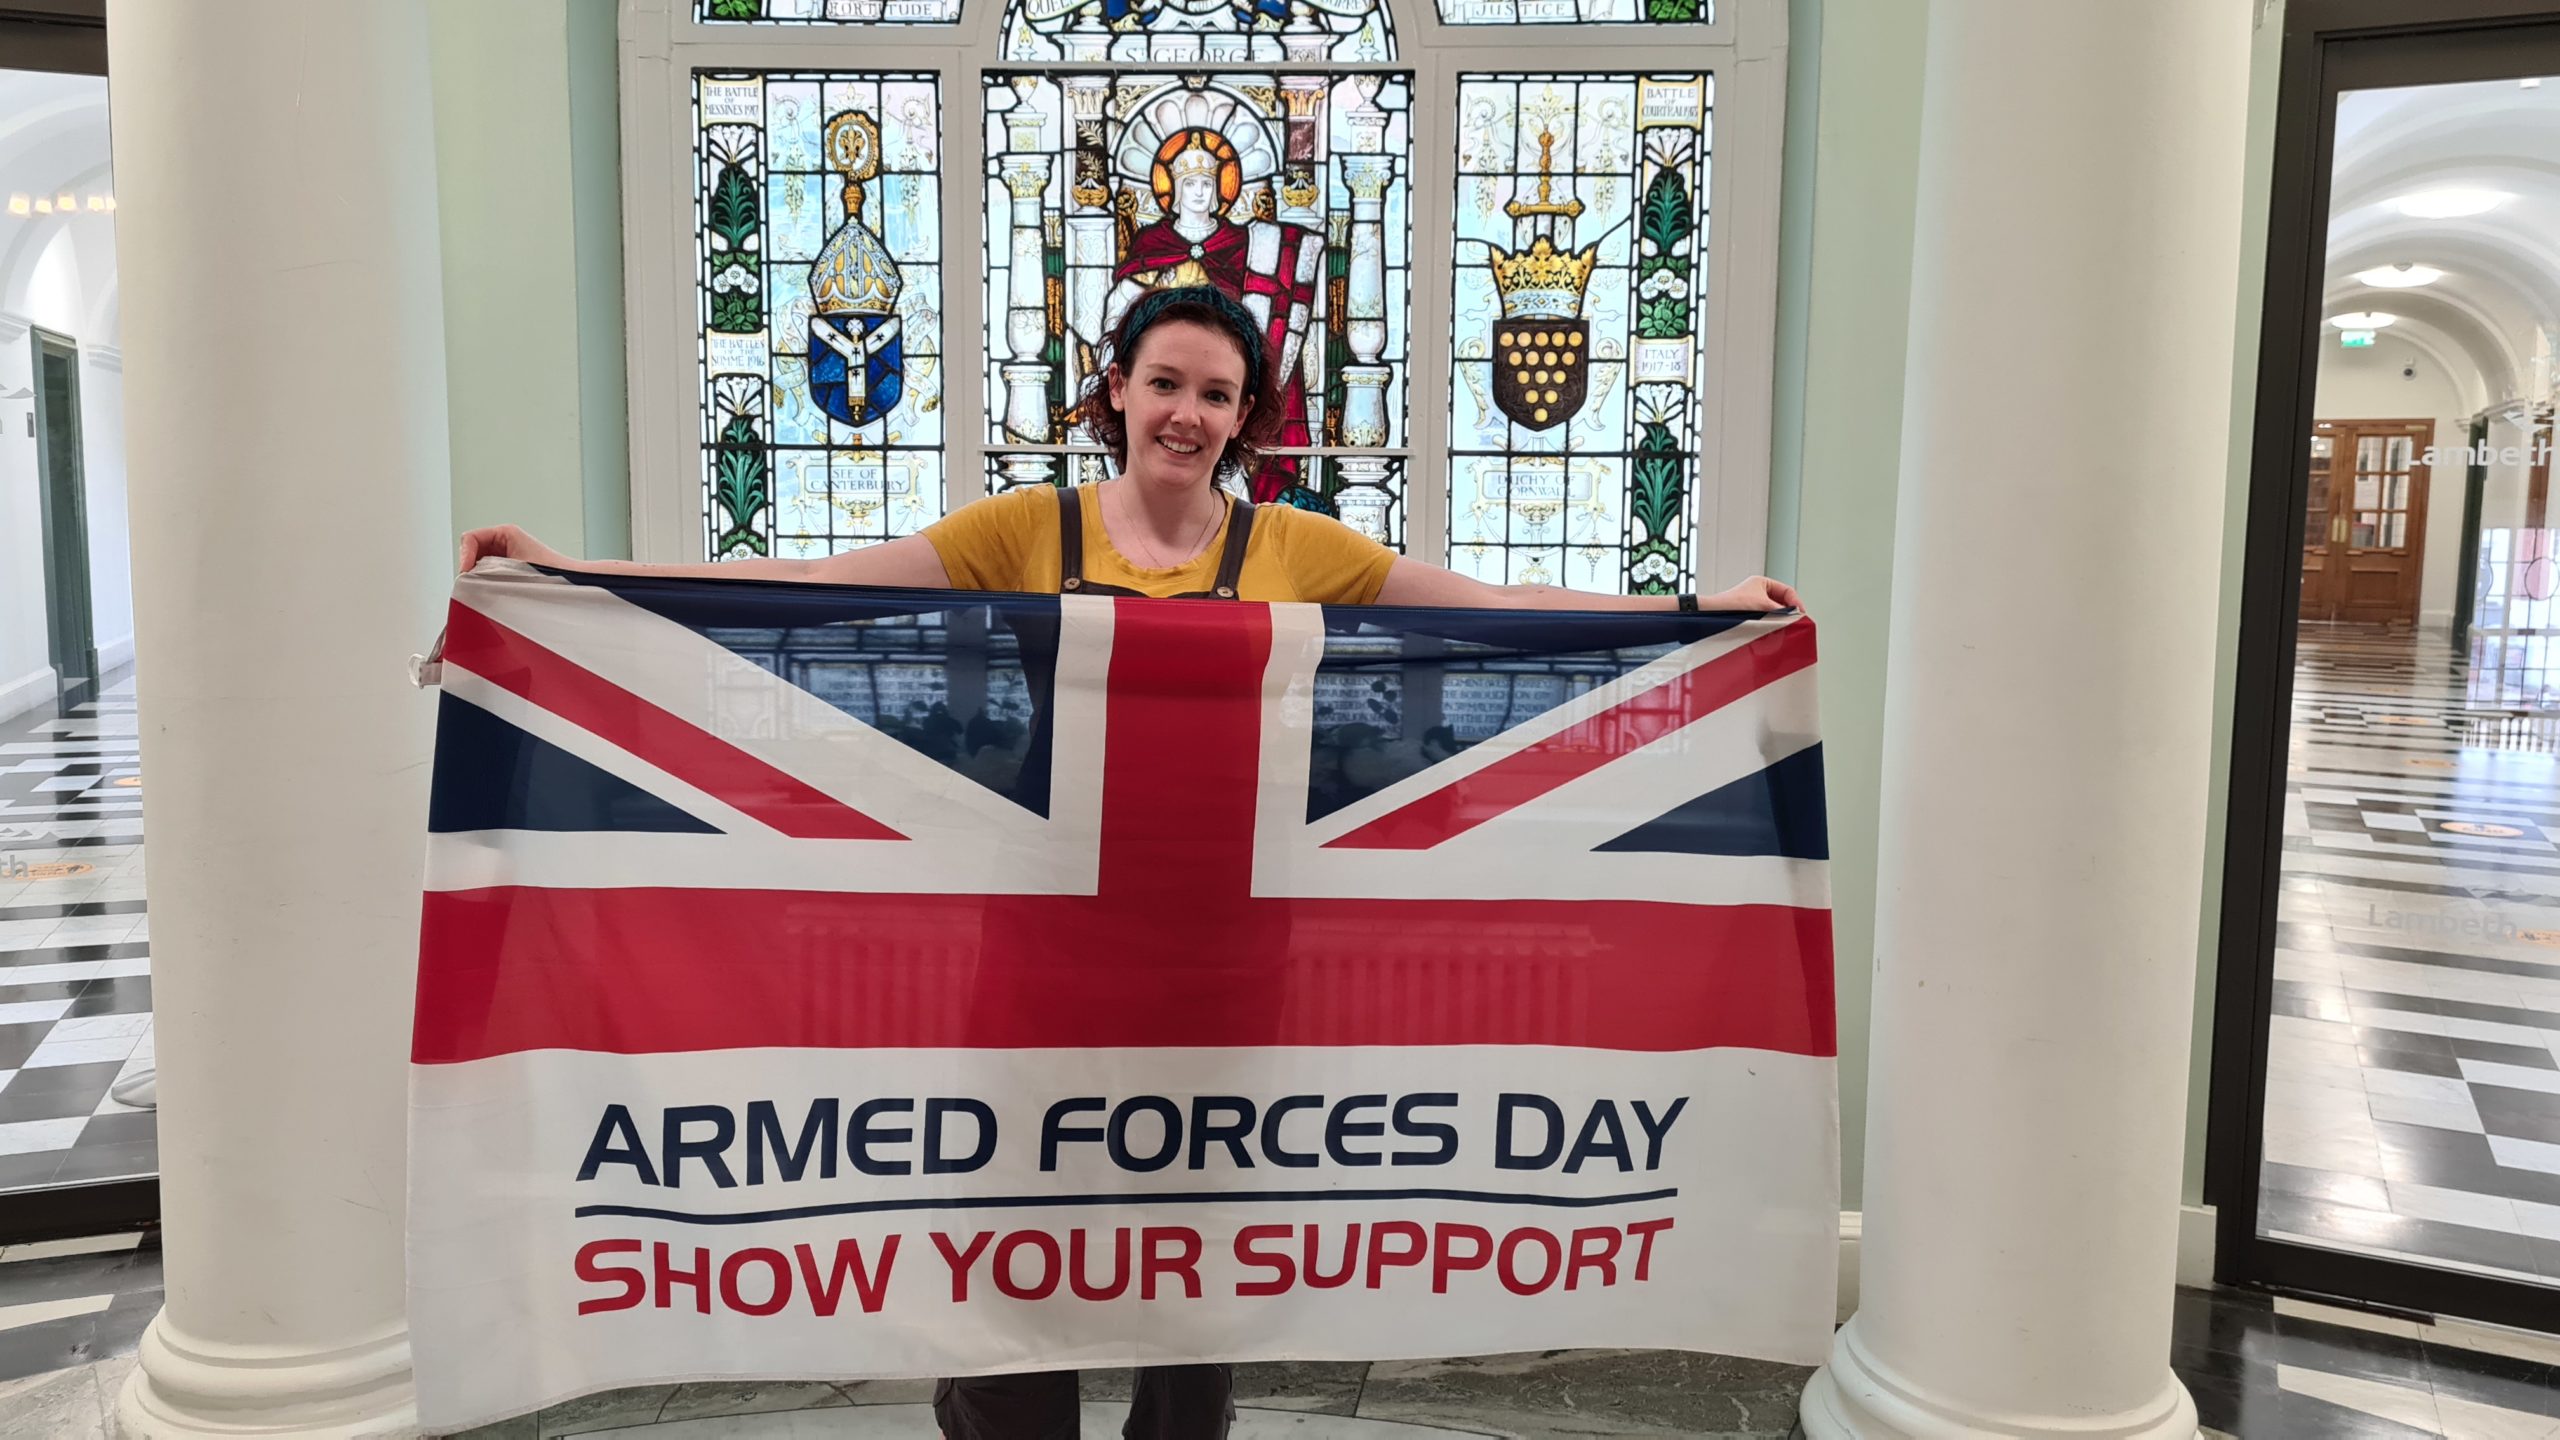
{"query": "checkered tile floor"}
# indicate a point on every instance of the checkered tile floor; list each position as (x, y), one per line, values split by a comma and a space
(2413, 1080)
(75, 946)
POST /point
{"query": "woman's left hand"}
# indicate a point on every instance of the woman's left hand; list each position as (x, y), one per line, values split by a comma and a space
(1757, 593)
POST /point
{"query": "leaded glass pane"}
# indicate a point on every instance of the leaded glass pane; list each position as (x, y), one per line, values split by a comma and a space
(826, 12)
(1576, 12)
(1211, 32)
(1579, 300)
(818, 211)
(1291, 191)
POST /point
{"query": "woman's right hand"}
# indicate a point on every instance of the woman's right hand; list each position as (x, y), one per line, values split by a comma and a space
(507, 542)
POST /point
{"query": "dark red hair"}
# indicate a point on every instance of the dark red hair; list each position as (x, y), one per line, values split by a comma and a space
(1213, 309)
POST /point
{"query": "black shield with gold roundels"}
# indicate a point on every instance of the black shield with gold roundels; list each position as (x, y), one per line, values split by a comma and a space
(1541, 370)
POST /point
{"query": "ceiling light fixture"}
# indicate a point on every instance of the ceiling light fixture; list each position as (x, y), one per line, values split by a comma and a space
(21, 205)
(2403, 276)
(2363, 320)
(2451, 202)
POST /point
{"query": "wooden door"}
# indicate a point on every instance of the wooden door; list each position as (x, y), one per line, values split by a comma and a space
(2365, 521)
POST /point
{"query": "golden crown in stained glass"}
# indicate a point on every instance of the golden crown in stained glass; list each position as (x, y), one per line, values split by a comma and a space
(1542, 282)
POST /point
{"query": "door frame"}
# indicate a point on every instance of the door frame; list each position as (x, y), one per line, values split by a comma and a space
(71, 629)
(68, 37)
(2327, 46)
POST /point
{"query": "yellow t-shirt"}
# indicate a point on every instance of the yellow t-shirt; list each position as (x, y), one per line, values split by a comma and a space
(1010, 542)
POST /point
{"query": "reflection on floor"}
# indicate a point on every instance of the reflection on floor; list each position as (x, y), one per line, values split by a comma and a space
(71, 1314)
(75, 946)
(2413, 1081)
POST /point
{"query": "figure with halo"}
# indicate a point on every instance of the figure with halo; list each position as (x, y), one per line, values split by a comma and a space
(1270, 265)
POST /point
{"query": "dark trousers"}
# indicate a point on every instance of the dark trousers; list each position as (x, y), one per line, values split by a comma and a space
(1173, 1402)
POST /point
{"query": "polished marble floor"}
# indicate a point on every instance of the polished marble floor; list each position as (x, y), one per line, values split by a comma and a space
(75, 946)
(2413, 1081)
(72, 1312)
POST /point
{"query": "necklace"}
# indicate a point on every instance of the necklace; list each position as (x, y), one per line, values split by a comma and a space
(1156, 561)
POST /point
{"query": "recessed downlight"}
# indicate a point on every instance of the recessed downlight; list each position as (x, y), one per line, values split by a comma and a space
(2451, 202)
(2400, 277)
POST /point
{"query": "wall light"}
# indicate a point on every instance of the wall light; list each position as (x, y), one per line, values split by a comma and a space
(2403, 276)
(2451, 202)
(2363, 320)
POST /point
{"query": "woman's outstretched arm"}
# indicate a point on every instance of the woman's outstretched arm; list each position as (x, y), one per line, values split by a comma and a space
(1416, 582)
(909, 562)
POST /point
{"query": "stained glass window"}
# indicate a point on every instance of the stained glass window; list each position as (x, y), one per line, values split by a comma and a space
(1576, 12)
(1579, 296)
(1212, 32)
(827, 12)
(1291, 191)
(818, 229)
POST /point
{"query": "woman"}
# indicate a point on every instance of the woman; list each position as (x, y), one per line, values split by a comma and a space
(1187, 396)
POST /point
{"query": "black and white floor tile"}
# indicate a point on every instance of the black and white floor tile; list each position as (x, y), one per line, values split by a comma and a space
(75, 946)
(73, 1312)
(2413, 1081)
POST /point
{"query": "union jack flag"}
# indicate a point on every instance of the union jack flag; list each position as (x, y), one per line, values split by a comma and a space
(684, 833)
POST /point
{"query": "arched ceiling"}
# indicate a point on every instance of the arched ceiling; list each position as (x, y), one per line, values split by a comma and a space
(2491, 318)
(53, 140)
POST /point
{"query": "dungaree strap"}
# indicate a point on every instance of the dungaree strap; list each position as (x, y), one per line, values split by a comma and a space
(1070, 539)
(1231, 563)
(1071, 549)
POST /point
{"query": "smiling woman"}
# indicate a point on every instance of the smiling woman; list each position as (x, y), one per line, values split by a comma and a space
(1182, 403)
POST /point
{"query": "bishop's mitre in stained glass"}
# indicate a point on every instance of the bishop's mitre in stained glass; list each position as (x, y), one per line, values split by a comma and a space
(857, 363)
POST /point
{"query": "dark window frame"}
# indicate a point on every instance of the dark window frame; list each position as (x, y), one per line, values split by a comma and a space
(2327, 46)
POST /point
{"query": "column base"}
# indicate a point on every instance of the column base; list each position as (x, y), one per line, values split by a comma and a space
(1853, 1397)
(186, 1387)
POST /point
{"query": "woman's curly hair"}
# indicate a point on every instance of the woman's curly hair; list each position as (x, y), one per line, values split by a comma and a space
(1205, 305)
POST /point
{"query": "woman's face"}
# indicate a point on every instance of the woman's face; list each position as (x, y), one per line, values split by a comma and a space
(1181, 399)
(1196, 195)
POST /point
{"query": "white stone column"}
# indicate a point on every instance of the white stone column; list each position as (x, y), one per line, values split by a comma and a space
(285, 424)
(2047, 717)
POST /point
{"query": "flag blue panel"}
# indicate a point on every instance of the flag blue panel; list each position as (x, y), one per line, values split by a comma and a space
(491, 775)
(966, 686)
(1776, 812)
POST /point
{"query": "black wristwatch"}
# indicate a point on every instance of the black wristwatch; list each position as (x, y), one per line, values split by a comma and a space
(1688, 604)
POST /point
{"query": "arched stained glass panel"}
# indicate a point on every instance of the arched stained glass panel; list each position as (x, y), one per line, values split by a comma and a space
(1579, 295)
(826, 12)
(1212, 32)
(1289, 190)
(818, 234)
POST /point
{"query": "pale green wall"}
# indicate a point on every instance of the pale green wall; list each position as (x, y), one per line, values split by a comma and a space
(528, 194)
(1845, 292)
(2263, 58)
